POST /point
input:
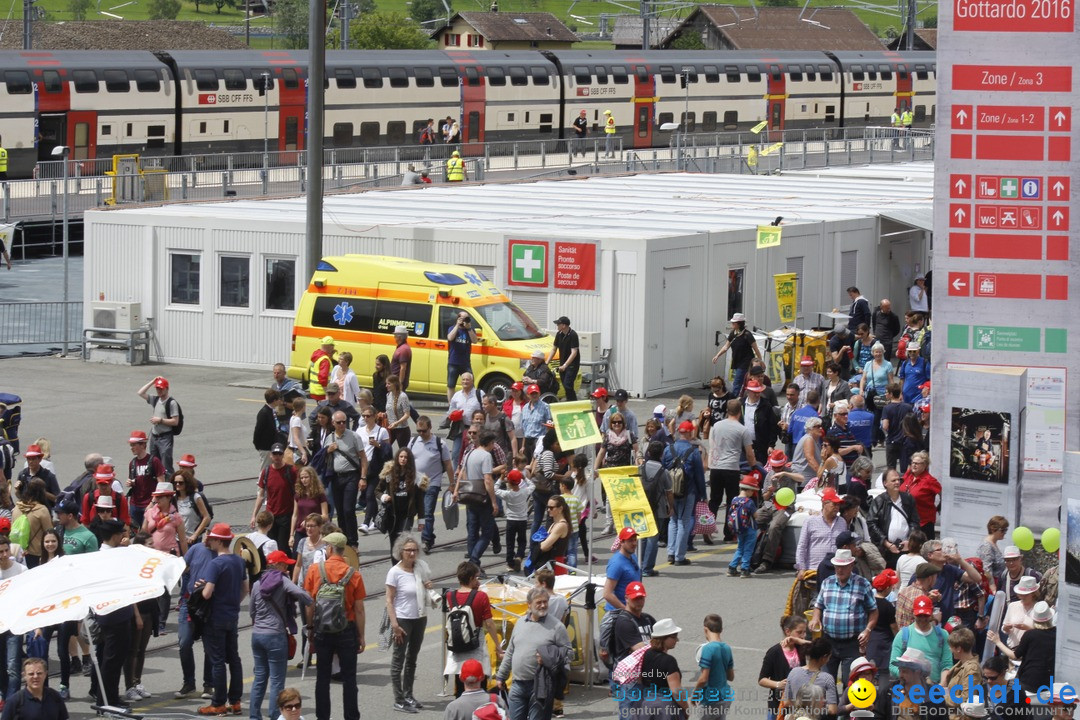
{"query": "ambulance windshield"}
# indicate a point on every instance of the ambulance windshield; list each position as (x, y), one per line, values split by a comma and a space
(509, 321)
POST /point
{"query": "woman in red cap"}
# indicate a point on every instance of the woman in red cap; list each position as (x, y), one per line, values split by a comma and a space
(879, 646)
(513, 404)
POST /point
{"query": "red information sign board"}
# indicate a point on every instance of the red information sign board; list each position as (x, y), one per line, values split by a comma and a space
(575, 266)
(1009, 78)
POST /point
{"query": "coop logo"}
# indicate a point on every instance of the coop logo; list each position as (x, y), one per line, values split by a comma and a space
(208, 98)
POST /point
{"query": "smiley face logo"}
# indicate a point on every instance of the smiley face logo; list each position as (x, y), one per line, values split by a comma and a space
(862, 693)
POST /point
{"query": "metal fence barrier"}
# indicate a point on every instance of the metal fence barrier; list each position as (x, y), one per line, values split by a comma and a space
(40, 323)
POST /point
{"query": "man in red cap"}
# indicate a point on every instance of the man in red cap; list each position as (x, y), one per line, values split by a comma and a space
(631, 630)
(685, 454)
(808, 379)
(474, 697)
(534, 418)
(164, 422)
(226, 583)
(622, 569)
(759, 417)
(34, 469)
(923, 635)
(603, 402)
(819, 533)
(144, 473)
(103, 479)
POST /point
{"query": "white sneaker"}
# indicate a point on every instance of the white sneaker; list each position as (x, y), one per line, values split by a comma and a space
(143, 692)
(363, 529)
(133, 695)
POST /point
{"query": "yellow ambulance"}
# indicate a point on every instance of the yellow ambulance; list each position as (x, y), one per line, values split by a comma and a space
(359, 299)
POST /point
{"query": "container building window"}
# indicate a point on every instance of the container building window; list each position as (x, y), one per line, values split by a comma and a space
(184, 270)
(235, 281)
(280, 284)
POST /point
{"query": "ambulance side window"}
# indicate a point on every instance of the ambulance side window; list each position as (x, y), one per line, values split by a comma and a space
(414, 316)
(447, 318)
(343, 313)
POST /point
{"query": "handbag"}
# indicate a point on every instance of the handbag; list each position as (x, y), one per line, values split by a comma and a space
(628, 670)
(704, 519)
(386, 633)
(450, 512)
(382, 517)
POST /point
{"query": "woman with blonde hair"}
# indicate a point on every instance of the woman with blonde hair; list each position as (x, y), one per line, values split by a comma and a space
(309, 497)
(684, 411)
(344, 376)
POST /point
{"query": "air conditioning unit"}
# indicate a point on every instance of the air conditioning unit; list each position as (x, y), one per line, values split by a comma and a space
(589, 346)
(116, 315)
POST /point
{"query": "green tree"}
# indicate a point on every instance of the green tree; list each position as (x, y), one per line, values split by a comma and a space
(388, 31)
(291, 22)
(79, 8)
(780, 3)
(164, 9)
(688, 41)
(930, 22)
(222, 3)
(427, 10)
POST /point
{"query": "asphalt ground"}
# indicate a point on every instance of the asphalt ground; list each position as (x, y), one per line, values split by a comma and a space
(85, 407)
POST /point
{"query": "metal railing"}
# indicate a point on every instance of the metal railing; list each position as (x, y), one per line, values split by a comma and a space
(40, 323)
(135, 342)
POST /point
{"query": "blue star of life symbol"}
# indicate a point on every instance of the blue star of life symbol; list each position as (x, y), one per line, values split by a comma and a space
(343, 314)
(471, 277)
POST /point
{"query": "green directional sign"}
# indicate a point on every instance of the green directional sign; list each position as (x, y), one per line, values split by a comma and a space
(1006, 339)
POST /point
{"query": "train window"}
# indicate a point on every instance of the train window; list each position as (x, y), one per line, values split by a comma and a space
(886, 72)
(106, 130)
(540, 76)
(664, 118)
(753, 73)
(292, 133)
(85, 81)
(582, 76)
(857, 72)
(776, 73)
(902, 71)
(795, 75)
(826, 72)
(117, 81)
(472, 76)
(871, 74)
(130, 129)
(206, 80)
(643, 121)
(52, 82)
(473, 131)
(395, 132)
(398, 77)
(920, 72)
(369, 133)
(691, 74)
(423, 76)
(642, 73)
(811, 74)
(418, 127)
(667, 73)
(618, 75)
(708, 121)
(712, 74)
(688, 122)
(830, 113)
(225, 127)
(601, 75)
(372, 77)
(449, 77)
(731, 71)
(290, 78)
(496, 76)
(517, 75)
(147, 81)
(920, 113)
(346, 78)
(545, 123)
(234, 79)
(731, 119)
(155, 132)
(18, 82)
(202, 127)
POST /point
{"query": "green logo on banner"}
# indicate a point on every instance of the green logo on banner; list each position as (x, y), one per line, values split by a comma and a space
(528, 263)
(575, 424)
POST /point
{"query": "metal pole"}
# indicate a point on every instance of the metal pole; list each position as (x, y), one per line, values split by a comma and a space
(65, 214)
(28, 32)
(346, 14)
(645, 44)
(266, 116)
(247, 22)
(910, 39)
(316, 73)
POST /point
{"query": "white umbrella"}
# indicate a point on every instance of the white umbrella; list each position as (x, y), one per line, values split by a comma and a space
(69, 587)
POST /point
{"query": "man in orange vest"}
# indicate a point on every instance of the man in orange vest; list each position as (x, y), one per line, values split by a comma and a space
(322, 362)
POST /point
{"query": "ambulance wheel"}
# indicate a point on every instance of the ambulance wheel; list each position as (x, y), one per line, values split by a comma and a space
(497, 386)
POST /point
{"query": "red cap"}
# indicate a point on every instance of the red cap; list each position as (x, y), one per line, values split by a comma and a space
(137, 436)
(518, 386)
(187, 461)
(777, 458)
(600, 392)
(279, 557)
(471, 670)
(221, 531)
(807, 360)
(456, 415)
(5, 526)
(749, 482)
(104, 473)
(923, 606)
(34, 451)
(514, 476)
(885, 579)
(830, 496)
(161, 383)
(925, 385)
(533, 388)
(627, 533)
(686, 426)
(635, 590)
(755, 386)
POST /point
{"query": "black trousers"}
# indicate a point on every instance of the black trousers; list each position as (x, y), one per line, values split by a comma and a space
(111, 653)
(345, 486)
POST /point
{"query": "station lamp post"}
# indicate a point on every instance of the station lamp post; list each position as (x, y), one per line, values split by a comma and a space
(62, 152)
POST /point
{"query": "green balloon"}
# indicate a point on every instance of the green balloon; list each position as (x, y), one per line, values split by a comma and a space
(1023, 538)
(785, 496)
(1051, 540)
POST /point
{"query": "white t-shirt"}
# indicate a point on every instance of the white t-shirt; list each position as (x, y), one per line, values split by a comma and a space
(15, 569)
(363, 434)
(263, 541)
(906, 565)
(297, 422)
(915, 303)
(405, 602)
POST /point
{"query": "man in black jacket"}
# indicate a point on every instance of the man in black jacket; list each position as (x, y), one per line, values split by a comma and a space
(267, 431)
(760, 416)
(886, 326)
(859, 314)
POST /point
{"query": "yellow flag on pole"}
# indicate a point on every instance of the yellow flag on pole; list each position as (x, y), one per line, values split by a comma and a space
(575, 424)
(772, 148)
(759, 127)
(787, 286)
(768, 236)
(629, 504)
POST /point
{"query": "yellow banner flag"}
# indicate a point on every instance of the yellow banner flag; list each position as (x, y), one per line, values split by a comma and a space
(772, 148)
(759, 127)
(575, 424)
(787, 293)
(768, 236)
(629, 505)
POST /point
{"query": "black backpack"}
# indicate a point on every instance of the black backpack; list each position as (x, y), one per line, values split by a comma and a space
(461, 632)
(179, 427)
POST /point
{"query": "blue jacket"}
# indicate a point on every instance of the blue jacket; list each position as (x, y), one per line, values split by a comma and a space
(692, 466)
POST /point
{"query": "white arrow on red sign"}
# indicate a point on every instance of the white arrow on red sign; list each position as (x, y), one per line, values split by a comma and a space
(961, 115)
(1058, 188)
(960, 184)
(958, 284)
(960, 214)
(1058, 217)
(1060, 117)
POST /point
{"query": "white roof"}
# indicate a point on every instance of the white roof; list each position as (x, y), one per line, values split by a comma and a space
(634, 206)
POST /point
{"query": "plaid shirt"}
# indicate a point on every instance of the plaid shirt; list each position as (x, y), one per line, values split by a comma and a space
(845, 608)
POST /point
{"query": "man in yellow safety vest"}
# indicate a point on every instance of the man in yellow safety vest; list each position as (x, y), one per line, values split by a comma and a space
(3, 160)
(322, 363)
(455, 168)
(609, 134)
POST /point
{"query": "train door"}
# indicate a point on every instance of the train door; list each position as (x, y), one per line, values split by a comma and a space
(52, 131)
(644, 107)
(776, 97)
(82, 134)
(473, 88)
(292, 101)
(290, 130)
(905, 95)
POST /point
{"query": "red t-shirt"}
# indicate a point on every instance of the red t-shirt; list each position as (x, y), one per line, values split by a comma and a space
(145, 472)
(89, 510)
(280, 486)
(481, 605)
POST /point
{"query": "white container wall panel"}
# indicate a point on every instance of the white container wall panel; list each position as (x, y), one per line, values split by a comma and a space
(583, 309)
(627, 348)
(114, 268)
(350, 245)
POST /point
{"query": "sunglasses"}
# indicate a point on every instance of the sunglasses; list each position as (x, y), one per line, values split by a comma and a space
(552, 507)
(339, 422)
(617, 422)
(291, 706)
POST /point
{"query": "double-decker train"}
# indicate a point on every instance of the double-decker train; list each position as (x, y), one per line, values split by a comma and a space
(102, 103)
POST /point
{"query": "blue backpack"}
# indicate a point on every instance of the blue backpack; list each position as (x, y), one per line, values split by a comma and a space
(740, 516)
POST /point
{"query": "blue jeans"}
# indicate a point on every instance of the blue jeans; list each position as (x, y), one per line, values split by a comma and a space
(747, 537)
(268, 654)
(649, 548)
(681, 525)
(480, 523)
(138, 514)
(13, 662)
(737, 381)
(220, 642)
(571, 550)
(627, 706)
(186, 638)
(523, 704)
(431, 501)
